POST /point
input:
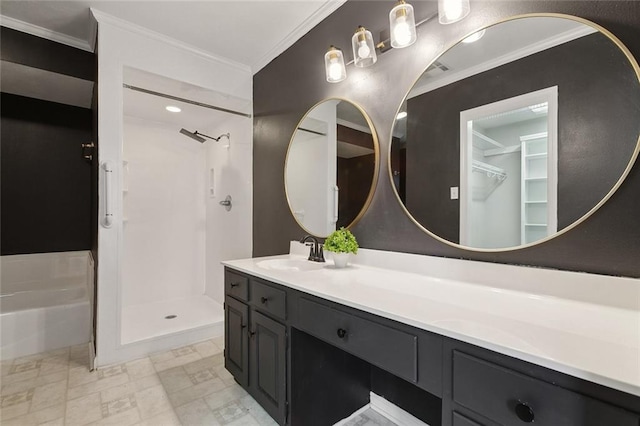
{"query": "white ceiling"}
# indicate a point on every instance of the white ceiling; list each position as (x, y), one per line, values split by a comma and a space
(251, 32)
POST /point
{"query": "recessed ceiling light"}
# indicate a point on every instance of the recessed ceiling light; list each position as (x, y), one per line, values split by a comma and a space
(474, 37)
(401, 115)
(172, 108)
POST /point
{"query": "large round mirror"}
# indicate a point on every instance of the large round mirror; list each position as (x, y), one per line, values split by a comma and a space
(331, 167)
(517, 133)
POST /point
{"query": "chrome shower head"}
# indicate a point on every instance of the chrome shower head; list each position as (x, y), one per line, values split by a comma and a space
(195, 135)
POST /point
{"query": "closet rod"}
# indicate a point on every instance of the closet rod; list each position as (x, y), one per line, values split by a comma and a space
(188, 101)
(312, 131)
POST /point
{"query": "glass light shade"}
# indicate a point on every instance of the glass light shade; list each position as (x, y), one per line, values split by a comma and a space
(450, 11)
(334, 65)
(364, 52)
(402, 25)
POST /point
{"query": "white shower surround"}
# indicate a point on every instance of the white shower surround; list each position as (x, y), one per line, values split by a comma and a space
(122, 44)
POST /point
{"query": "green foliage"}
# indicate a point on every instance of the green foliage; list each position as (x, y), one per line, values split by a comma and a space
(341, 241)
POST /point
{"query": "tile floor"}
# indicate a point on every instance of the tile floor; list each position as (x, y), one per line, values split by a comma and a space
(184, 386)
(369, 417)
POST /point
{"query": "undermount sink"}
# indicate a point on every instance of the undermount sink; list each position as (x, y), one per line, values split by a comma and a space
(294, 265)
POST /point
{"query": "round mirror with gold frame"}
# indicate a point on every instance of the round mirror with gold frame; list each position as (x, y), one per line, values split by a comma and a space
(517, 133)
(331, 166)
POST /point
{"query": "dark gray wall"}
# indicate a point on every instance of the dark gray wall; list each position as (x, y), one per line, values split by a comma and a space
(46, 184)
(49, 202)
(607, 243)
(598, 106)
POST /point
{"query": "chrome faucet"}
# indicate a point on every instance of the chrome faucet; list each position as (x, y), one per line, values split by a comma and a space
(316, 253)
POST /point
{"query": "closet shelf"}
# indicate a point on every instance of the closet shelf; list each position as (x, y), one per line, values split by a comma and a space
(539, 155)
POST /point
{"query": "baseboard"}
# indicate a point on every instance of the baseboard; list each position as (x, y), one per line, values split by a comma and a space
(354, 415)
(393, 412)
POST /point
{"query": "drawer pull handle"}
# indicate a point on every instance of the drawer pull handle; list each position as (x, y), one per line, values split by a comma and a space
(524, 412)
(342, 333)
(234, 285)
(252, 333)
(264, 300)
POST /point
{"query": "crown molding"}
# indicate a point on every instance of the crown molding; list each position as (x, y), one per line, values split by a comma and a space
(523, 52)
(41, 32)
(325, 10)
(104, 18)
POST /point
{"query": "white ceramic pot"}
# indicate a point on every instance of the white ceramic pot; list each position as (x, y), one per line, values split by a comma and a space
(341, 260)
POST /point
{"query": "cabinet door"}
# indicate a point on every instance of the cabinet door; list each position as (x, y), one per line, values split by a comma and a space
(268, 365)
(236, 354)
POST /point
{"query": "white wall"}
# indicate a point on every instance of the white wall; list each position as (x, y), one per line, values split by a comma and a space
(311, 170)
(164, 234)
(228, 233)
(122, 44)
(306, 176)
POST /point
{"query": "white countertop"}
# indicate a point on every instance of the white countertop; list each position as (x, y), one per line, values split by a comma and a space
(584, 325)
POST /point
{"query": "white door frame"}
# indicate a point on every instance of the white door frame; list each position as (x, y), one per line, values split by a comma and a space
(549, 95)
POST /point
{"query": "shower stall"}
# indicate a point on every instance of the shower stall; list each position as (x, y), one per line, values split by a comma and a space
(166, 216)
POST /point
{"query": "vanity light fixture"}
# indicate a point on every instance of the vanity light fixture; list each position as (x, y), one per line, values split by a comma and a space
(364, 52)
(172, 108)
(334, 65)
(474, 37)
(450, 11)
(402, 34)
(402, 25)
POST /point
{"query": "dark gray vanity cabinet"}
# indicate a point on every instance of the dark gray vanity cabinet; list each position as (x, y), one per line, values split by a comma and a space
(236, 339)
(300, 355)
(256, 341)
(490, 389)
(268, 365)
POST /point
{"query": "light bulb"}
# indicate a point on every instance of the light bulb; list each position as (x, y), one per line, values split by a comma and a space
(334, 65)
(363, 49)
(335, 71)
(401, 32)
(452, 10)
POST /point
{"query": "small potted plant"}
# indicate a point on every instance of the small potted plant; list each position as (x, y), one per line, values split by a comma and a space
(341, 243)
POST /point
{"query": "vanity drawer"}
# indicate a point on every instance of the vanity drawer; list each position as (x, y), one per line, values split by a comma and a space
(388, 348)
(236, 285)
(511, 398)
(269, 299)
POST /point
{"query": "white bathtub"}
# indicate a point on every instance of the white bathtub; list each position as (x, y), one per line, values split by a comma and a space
(45, 302)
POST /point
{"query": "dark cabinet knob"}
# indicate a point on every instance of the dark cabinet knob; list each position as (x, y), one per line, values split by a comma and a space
(234, 285)
(252, 333)
(524, 412)
(342, 333)
(263, 300)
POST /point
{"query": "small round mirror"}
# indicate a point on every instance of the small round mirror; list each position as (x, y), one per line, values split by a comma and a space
(517, 133)
(331, 167)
